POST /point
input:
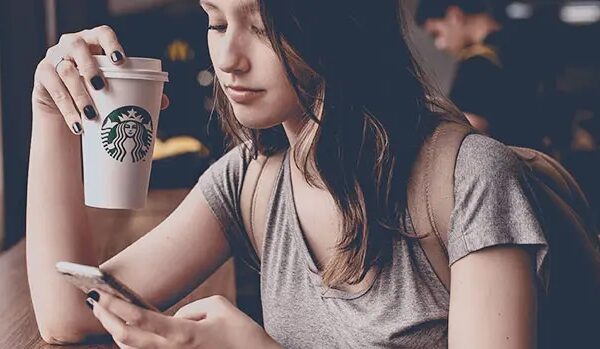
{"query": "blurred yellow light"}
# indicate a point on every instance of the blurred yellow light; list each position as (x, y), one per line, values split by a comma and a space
(178, 145)
(179, 50)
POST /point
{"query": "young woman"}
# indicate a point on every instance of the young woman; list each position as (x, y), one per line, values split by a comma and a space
(333, 85)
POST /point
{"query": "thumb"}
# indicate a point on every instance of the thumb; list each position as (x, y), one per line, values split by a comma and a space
(194, 316)
(191, 311)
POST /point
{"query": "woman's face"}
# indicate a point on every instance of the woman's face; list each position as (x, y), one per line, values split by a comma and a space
(130, 128)
(248, 70)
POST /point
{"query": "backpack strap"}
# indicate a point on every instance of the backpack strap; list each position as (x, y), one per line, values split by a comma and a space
(257, 187)
(431, 193)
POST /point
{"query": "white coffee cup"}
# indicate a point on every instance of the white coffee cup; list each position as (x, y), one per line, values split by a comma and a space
(117, 146)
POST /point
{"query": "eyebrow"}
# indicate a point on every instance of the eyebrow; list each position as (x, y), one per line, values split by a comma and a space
(245, 6)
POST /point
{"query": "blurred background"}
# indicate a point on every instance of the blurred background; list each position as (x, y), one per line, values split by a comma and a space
(537, 65)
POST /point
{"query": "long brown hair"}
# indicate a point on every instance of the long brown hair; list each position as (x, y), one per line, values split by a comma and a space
(367, 111)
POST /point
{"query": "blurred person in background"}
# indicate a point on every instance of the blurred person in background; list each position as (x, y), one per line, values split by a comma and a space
(495, 83)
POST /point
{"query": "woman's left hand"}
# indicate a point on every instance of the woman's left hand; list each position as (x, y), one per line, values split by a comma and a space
(211, 322)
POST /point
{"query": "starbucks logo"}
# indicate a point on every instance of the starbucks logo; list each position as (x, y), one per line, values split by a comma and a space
(127, 130)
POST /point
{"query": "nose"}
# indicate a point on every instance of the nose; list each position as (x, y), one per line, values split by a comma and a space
(232, 56)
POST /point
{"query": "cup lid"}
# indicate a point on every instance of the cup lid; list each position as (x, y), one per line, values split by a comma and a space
(133, 68)
(130, 63)
(137, 74)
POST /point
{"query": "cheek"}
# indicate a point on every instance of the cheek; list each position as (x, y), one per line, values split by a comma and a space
(285, 97)
(212, 47)
(213, 54)
(280, 102)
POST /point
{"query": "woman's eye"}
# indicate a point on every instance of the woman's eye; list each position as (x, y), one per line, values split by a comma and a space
(259, 31)
(221, 28)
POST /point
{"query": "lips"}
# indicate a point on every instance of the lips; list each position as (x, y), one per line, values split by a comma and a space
(242, 94)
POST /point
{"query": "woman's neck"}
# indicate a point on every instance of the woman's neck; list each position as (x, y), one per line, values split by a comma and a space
(292, 129)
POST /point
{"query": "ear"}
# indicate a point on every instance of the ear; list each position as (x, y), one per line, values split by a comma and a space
(455, 14)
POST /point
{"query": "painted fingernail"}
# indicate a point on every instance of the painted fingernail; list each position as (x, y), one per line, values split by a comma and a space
(76, 127)
(89, 112)
(116, 56)
(94, 295)
(97, 82)
(90, 303)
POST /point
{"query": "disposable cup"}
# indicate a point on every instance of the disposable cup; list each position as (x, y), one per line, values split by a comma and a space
(117, 146)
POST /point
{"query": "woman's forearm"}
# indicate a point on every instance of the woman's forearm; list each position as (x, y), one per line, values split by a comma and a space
(57, 226)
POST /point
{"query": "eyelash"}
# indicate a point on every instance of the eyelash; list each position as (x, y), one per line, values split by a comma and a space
(223, 27)
(260, 32)
(220, 28)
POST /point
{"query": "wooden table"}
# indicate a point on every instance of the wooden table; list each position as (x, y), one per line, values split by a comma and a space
(117, 228)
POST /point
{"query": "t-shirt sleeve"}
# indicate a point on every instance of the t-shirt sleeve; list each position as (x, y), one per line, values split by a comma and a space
(494, 203)
(221, 186)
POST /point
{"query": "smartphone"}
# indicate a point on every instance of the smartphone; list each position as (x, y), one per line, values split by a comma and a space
(87, 277)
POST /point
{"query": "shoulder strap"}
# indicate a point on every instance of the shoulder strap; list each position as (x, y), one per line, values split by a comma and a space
(431, 193)
(256, 189)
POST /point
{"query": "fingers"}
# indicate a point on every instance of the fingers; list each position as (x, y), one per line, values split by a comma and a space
(199, 309)
(106, 38)
(94, 48)
(71, 79)
(82, 45)
(174, 330)
(58, 86)
(135, 316)
(76, 49)
(164, 102)
(192, 312)
(53, 84)
(126, 335)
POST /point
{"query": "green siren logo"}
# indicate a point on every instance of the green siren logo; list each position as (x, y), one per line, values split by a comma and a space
(127, 130)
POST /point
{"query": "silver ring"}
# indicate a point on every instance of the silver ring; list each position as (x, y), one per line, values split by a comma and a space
(62, 59)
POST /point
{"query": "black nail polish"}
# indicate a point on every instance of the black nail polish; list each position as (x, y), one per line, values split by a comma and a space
(76, 127)
(89, 112)
(89, 304)
(116, 56)
(94, 295)
(97, 82)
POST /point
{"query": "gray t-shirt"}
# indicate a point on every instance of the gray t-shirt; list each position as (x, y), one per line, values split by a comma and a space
(406, 306)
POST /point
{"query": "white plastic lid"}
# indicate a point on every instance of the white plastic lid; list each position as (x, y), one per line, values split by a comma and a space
(133, 68)
(130, 63)
(136, 74)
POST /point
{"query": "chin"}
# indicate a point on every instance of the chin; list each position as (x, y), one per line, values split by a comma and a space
(256, 120)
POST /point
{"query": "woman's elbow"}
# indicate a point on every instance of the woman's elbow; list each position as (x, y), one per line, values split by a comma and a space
(61, 335)
(72, 333)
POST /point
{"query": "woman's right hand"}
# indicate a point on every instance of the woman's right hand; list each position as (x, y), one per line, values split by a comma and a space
(58, 86)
